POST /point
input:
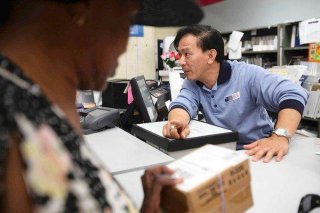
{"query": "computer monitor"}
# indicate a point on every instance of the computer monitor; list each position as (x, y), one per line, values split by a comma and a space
(142, 99)
(176, 78)
(85, 99)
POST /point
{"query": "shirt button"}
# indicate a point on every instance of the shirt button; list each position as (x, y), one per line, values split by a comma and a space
(212, 96)
(215, 105)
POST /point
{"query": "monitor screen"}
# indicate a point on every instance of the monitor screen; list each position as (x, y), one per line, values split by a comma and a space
(85, 99)
(143, 100)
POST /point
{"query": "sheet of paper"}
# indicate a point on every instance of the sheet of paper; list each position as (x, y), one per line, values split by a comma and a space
(167, 103)
(279, 71)
(309, 31)
(197, 128)
(234, 41)
(235, 54)
(295, 72)
(291, 72)
(97, 97)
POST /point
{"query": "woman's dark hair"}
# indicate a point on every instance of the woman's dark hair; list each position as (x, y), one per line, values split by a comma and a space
(6, 7)
(208, 38)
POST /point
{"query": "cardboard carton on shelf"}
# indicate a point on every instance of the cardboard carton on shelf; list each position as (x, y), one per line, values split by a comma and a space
(216, 179)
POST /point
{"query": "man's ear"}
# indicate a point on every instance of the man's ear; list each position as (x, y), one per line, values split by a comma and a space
(212, 54)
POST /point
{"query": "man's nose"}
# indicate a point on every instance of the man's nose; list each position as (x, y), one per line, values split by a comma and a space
(182, 61)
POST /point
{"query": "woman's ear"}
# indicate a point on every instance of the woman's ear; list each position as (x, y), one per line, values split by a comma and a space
(79, 12)
(212, 54)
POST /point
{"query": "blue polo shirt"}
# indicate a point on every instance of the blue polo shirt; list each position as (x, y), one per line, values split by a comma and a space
(239, 99)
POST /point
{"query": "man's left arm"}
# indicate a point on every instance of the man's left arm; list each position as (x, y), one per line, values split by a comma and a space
(276, 145)
(276, 94)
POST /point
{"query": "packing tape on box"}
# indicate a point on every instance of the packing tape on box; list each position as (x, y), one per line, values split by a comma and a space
(223, 199)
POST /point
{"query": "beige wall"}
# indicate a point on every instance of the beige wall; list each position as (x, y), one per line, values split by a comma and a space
(140, 57)
(162, 32)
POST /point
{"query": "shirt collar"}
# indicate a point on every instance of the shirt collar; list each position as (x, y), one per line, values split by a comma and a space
(224, 74)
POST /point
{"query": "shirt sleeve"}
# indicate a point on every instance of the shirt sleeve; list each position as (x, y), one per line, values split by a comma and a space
(275, 92)
(188, 99)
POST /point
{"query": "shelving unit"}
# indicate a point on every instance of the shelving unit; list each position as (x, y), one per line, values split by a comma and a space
(259, 52)
(295, 48)
(314, 121)
(284, 51)
(289, 47)
(259, 46)
(291, 52)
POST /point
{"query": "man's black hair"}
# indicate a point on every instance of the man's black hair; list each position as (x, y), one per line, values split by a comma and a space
(208, 38)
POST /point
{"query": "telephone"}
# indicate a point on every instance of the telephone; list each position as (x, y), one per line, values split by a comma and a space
(161, 95)
(98, 118)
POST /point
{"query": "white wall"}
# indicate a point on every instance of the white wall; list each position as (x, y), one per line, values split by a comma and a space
(231, 15)
(140, 57)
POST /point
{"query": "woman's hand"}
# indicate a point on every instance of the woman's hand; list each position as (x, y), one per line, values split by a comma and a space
(153, 181)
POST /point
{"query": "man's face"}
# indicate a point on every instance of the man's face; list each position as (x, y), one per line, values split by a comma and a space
(194, 61)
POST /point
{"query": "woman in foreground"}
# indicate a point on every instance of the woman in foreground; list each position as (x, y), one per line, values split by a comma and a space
(48, 50)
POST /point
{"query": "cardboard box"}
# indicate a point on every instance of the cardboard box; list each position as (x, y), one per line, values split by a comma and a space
(216, 179)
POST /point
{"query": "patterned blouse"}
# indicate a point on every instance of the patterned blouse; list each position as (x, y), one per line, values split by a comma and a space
(61, 173)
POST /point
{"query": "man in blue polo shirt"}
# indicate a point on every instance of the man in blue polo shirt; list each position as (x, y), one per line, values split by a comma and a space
(234, 95)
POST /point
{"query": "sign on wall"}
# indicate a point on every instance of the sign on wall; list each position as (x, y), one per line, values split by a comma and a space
(136, 30)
